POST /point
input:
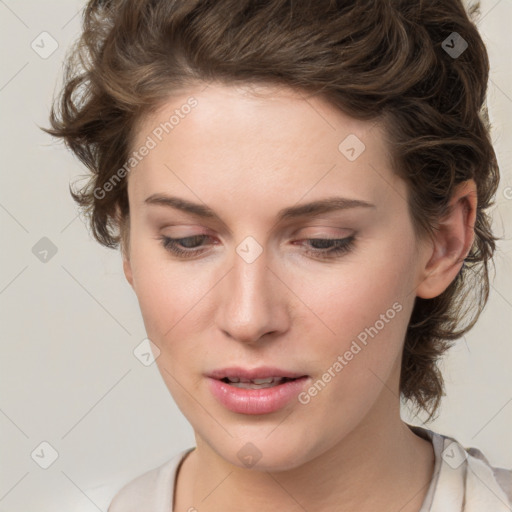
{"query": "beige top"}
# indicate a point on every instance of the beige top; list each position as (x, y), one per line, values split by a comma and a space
(463, 481)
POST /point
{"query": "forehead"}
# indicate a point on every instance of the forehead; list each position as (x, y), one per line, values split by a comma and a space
(265, 142)
(267, 113)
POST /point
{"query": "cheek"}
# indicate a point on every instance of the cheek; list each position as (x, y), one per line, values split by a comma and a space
(164, 291)
(361, 314)
(368, 313)
(355, 294)
(176, 303)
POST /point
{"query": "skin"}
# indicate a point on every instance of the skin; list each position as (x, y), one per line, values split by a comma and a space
(247, 156)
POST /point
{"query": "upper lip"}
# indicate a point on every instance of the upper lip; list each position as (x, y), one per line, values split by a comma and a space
(262, 372)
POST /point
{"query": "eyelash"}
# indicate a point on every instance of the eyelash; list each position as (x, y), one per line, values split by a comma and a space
(343, 246)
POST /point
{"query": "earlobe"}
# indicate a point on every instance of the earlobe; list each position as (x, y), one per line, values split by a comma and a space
(451, 243)
(124, 240)
(127, 269)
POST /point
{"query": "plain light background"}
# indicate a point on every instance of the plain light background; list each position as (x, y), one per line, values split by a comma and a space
(68, 374)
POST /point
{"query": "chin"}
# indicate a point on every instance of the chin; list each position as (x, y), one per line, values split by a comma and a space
(262, 453)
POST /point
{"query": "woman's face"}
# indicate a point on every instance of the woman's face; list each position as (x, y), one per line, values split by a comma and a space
(252, 291)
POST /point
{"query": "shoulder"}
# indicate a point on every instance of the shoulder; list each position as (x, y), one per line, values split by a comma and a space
(151, 491)
(484, 478)
(464, 479)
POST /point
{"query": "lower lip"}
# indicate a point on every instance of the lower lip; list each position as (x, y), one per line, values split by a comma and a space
(256, 401)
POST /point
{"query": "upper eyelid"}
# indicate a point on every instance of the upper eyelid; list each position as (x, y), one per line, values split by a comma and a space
(204, 236)
(289, 229)
(320, 236)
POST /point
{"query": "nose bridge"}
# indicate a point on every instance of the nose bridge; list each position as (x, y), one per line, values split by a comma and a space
(250, 305)
(250, 277)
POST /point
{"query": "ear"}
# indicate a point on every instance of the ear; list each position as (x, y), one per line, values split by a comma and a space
(127, 268)
(452, 242)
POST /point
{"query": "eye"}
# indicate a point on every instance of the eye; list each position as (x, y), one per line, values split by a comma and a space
(173, 245)
(335, 246)
(191, 246)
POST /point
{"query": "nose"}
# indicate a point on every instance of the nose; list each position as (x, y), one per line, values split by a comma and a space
(253, 301)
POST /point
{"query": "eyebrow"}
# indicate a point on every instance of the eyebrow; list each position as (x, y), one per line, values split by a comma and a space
(311, 209)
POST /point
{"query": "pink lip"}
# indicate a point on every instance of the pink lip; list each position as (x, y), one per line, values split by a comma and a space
(255, 401)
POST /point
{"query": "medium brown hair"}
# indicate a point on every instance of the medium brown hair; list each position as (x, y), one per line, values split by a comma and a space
(374, 60)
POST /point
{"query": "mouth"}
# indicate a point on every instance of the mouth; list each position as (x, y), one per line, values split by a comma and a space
(257, 391)
(262, 377)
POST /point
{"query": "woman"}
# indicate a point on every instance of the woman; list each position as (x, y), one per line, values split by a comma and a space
(299, 191)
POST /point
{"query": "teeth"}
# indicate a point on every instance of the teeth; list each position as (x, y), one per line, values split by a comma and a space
(264, 381)
(255, 383)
